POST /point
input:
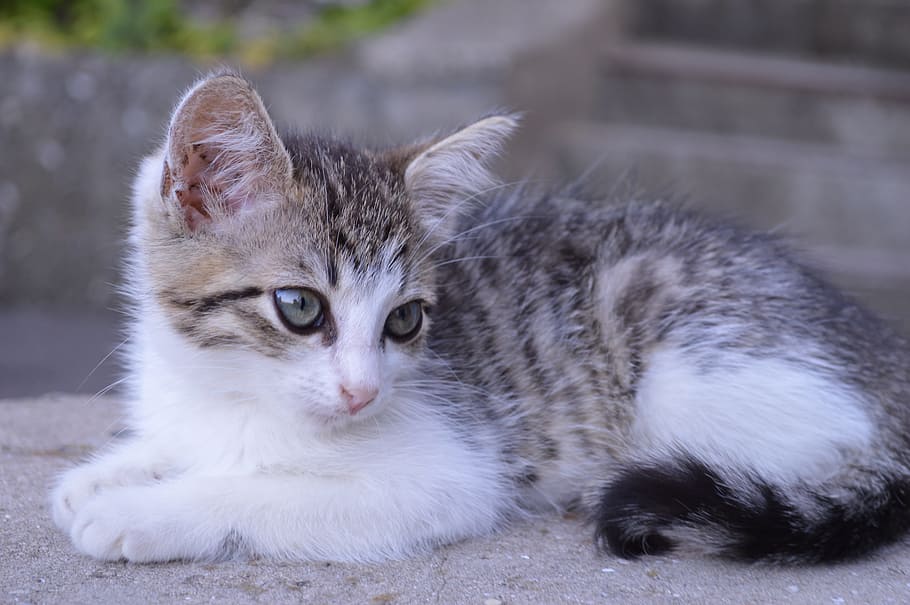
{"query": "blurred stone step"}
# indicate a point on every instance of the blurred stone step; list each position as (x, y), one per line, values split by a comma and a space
(848, 210)
(477, 39)
(829, 196)
(871, 32)
(750, 94)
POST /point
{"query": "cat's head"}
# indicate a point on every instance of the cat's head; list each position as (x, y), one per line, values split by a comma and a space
(295, 269)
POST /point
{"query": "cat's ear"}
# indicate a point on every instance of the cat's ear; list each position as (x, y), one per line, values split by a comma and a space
(444, 175)
(223, 154)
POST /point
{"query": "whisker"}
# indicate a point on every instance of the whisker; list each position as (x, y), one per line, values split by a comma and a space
(104, 391)
(462, 259)
(100, 363)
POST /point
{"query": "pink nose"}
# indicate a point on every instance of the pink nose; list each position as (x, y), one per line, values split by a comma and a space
(357, 398)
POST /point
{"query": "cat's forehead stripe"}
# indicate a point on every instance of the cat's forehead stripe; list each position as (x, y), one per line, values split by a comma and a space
(331, 270)
(355, 203)
(332, 162)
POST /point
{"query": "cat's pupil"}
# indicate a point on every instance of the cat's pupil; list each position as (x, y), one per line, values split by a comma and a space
(404, 322)
(299, 308)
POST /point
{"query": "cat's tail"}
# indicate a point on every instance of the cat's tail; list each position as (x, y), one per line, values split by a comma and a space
(653, 506)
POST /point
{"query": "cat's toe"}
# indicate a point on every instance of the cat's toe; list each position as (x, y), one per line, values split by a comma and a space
(70, 496)
(114, 526)
(99, 535)
(62, 510)
(109, 540)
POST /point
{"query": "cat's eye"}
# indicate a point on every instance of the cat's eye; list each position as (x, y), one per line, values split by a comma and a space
(404, 322)
(301, 309)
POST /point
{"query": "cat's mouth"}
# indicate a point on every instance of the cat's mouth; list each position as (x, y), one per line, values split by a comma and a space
(338, 417)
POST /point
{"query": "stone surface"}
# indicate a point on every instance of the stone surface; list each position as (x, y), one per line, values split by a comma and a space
(491, 37)
(72, 130)
(861, 109)
(544, 561)
(852, 31)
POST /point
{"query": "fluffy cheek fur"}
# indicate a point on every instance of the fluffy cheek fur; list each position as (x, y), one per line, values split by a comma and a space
(305, 388)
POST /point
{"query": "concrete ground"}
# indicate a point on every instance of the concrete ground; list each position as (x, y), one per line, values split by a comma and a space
(549, 561)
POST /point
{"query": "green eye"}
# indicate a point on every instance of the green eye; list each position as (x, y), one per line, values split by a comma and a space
(404, 322)
(299, 308)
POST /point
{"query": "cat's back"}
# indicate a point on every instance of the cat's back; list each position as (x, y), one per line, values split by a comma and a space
(561, 303)
(577, 259)
(632, 261)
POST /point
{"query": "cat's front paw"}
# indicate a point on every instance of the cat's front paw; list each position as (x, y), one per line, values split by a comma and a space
(120, 524)
(83, 483)
(142, 524)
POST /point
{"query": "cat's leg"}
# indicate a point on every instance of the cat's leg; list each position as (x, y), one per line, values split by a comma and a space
(126, 464)
(303, 517)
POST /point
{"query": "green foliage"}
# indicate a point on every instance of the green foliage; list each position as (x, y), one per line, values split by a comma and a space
(336, 26)
(340, 24)
(131, 25)
(161, 26)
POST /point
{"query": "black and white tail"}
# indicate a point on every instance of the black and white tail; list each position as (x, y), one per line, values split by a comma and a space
(651, 507)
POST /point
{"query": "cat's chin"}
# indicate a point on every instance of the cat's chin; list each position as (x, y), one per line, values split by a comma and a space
(339, 419)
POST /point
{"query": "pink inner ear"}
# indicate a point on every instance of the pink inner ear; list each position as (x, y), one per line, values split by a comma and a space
(198, 178)
(223, 152)
(193, 205)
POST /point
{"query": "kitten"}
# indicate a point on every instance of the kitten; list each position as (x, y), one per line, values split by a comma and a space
(355, 355)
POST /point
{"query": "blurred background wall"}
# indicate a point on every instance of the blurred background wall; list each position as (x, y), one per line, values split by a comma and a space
(792, 115)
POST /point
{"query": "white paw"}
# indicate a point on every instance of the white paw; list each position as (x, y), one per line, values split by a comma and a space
(143, 524)
(124, 524)
(81, 484)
